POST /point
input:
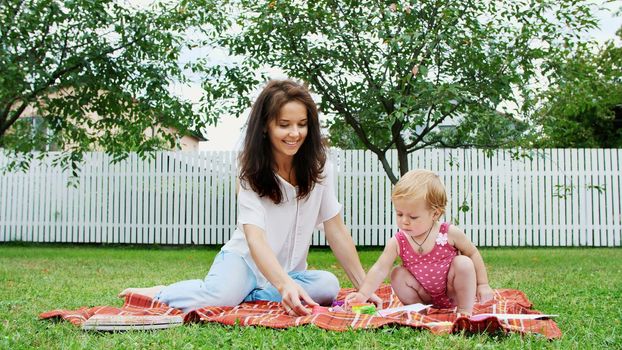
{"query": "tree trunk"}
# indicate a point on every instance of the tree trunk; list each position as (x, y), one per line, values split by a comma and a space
(402, 157)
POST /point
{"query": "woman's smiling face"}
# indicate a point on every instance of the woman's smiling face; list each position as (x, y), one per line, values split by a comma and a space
(288, 130)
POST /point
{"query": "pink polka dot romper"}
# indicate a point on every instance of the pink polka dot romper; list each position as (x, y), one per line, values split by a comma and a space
(430, 269)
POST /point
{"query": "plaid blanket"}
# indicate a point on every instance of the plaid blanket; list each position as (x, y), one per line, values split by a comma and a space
(270, 314)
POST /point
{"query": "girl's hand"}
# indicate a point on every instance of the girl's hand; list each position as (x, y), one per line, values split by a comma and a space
(292, 294)
(484, 293)
(356, 297)
(376, 300)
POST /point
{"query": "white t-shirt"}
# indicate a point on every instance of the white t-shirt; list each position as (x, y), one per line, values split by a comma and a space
(288, 225)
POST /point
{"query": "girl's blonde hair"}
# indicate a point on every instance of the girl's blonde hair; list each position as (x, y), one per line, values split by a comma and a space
(422, 184)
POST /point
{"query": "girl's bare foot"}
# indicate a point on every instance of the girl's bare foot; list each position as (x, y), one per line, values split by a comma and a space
(150, 292)
(463, 313)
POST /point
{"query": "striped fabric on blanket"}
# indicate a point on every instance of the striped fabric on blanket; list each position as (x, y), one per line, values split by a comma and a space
(270, 314)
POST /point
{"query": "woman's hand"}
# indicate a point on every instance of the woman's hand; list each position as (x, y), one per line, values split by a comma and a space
(484, 292)
(292, 294)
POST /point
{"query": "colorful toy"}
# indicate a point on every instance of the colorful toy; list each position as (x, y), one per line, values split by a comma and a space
(339, 303)
(364, 308)
(322, 309)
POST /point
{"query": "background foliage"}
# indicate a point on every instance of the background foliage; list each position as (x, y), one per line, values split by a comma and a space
(69, 59)
(393, 73)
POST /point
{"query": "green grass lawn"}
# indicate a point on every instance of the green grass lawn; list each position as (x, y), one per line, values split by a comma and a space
(583, 286)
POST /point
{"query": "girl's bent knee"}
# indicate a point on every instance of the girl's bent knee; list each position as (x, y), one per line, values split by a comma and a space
(399, 273)
(462, 263)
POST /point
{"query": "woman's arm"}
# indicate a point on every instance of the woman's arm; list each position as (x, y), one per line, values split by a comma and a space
(467, 248)
(342, 245)
(269, 266)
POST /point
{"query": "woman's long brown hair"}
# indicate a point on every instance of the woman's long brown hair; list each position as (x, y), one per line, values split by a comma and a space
(257, 164)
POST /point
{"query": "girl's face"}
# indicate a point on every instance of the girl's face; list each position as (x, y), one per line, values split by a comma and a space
(288, 130)
(414, 217)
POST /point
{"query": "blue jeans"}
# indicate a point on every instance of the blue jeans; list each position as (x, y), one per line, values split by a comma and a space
(230, 281)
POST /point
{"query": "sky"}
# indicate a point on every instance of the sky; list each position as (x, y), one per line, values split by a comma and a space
(226, 135)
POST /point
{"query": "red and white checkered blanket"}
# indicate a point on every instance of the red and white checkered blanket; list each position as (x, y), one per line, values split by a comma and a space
(270, 314)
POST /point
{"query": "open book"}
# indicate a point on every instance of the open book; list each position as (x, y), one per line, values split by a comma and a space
(131, 322)
(420, 307)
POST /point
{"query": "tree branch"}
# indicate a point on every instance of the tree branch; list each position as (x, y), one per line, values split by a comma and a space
(429, 128)
(364, 66)
(340, 107)
(6, 124)
(5, 111)
(329, 92)
(6, 27)
(417, 51)
(6, 121)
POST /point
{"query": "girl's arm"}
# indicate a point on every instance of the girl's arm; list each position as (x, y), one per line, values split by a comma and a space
(267, 263)
(459, 239)
(342, 245)
(377, 273)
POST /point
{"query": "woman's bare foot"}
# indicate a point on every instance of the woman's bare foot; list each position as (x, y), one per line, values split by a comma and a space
(150, 292)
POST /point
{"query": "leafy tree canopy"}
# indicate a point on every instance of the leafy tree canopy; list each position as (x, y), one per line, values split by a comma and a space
(583, 106)
(393, 72)
(68, 59)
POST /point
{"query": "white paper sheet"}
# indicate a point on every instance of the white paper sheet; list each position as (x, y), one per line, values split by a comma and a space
(410, 308)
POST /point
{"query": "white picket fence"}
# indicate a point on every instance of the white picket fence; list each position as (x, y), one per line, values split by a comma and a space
(552, 197)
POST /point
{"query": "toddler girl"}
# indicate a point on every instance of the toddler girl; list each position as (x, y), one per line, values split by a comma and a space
(440, 265)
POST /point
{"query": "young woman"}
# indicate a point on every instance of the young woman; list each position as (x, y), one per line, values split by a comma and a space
(286, 190)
